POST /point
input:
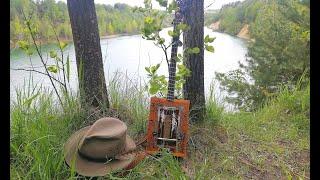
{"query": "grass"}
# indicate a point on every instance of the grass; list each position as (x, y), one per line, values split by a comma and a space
(272, 143)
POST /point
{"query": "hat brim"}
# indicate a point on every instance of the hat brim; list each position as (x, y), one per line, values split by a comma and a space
(90, 168)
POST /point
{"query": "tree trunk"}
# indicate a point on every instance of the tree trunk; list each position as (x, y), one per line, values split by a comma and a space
(92, 84)
(193, 88)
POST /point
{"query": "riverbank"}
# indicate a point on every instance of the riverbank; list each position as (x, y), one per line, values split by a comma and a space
(14, 47)
(271, 143)
(244, 33)
(118, 35)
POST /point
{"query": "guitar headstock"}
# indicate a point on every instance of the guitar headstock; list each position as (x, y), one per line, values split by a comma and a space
(179, 12)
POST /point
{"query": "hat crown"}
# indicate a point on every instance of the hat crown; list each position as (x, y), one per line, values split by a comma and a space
(105, 139)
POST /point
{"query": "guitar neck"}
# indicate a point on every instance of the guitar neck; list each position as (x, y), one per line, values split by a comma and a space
(172, 65)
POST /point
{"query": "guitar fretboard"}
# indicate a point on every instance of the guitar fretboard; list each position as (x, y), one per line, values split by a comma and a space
(172, 69)
(174, 50)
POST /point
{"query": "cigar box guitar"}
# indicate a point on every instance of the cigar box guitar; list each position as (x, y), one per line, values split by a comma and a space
(168, 124)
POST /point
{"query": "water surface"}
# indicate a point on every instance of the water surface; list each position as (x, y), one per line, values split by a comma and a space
(130, 54)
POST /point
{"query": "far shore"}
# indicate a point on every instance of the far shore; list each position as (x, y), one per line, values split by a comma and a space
(71, 41)
(243, 34)
(117, 35)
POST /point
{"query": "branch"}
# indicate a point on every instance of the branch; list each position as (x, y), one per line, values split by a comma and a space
(169, 45)
(166, 54)
(41, 58)
(61, 51)
(32, 70)
(210, 5)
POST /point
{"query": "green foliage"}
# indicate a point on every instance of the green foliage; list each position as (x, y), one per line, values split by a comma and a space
(63, 45)
(230, 21)
(25, 46)
(182, 27)
(158, 83)
(281, 129)
(52, 68)
(153, 24)
(234, 15)
(172, 6)
(53, 54)
(209, 48)
(163, 3)
(207, 41)
(280, 54)
(211, 17)
(214, 108)
(194, 50)
(38, 130)
(51, 71)
(46, 14)
(116, 19)
(68, 68)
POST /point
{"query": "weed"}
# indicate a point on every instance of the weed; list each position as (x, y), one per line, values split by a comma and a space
(271, 143)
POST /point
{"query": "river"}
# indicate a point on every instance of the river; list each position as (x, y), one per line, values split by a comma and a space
(130, 54)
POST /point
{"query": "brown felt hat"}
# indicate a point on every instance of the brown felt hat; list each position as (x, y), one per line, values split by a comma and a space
(98, 149)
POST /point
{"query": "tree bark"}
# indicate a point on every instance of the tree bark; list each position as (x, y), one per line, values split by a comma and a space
(193, 88)
(92, 84)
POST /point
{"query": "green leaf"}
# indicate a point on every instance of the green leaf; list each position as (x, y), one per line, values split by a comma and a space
(208, 39)
(63, 45)
(147, 69)
(53, 54)
(29, 52)
(182, 26)
(154, 87)
(52, 68)
(68, 68)
(148, 20)
(153, 69)
(157, 66)
(194, 50)
(58, 58)
(23, 45)
(162, 79)
(163, 3)
(161, 41)
(183, 71)
(209, 48)
(172, 6)
(178, 59)
(170, 33)
(29, 101)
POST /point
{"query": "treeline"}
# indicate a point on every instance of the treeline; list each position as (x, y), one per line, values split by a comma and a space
(279, 55)
(234, 15)
(49, 14)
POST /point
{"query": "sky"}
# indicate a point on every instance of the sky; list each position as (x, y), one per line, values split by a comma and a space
(217, 4)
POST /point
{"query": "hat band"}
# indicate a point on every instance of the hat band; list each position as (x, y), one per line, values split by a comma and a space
(100, 160)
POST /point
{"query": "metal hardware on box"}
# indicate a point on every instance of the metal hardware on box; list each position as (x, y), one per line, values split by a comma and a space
(177, 139)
